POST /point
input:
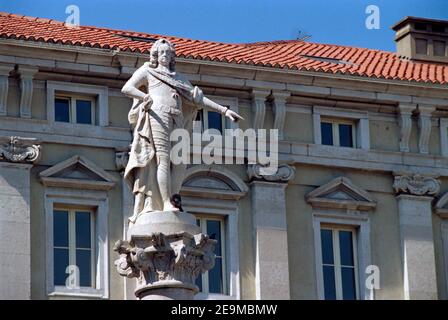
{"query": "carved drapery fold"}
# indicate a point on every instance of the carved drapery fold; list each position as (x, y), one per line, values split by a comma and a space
(416, 184)
(18, 149)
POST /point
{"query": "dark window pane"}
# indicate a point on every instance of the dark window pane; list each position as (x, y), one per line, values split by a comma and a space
(326, 131)
(327, 246)
(329, 284)
(214, 232)
(215, 277)
(421, 46)
(348, 283)
(346, 248)
(198, 222)
(60, 264)
(199, 282)
(345, 135)
(214, 121)
(83, 230)
(85, 269)
(60, 228)
(62, 110)
(439, 48)
(84, 111)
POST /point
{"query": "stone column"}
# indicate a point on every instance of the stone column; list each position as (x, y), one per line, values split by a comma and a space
(415, 194)
(16, 158)
(269, 223)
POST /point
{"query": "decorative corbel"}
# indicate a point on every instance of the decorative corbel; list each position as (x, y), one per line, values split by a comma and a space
(259, 107)
(424, 124)
(405, 123)
(279, 109)
(4, 87)
(26, 87)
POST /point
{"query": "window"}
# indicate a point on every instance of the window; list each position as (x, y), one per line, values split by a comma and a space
(74, 109)
(339, 263)
(211, 120)
(214, 280)
(421, 46)
(73, 236)
(338, 133)
(439, 48)
(69, 102)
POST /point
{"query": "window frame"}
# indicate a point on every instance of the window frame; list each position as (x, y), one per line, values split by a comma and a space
(360, 119)
(335, 228)
(71, 211)
(72, 98)
(203, 218)
(99, 93)
(73, 198)
(335, 130)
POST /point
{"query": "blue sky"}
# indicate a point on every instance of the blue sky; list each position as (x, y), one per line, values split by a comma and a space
(336, 21)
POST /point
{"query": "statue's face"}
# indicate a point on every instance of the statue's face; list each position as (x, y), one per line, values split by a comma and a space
(164, 55)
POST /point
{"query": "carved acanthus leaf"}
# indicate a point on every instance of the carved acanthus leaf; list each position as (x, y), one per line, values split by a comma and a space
(17, 149)
(416, 184)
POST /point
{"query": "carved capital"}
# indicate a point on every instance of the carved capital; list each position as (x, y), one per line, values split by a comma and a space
(416, 184)
(424, 124)
(17, 149)
(279, 109)
(284, 173)
(26, 89)
(405, 123)
(172, 259)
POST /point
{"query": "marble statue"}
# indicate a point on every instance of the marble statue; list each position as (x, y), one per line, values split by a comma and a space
(163, 100)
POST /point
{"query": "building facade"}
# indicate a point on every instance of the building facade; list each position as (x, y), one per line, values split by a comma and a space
(358, 208)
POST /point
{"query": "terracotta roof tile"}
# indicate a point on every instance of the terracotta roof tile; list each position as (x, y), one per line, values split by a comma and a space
(292, 54)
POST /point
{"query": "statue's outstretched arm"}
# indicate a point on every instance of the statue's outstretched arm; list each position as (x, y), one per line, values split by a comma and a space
(202, 100)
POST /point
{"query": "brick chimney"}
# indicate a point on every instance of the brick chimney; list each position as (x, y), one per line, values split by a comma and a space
(422, 39)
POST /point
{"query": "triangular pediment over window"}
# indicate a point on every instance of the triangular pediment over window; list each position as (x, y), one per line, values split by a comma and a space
(77, 172)
(341, 193)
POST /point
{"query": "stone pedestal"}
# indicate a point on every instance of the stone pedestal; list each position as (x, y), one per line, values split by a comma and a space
(415, 194)
(15, 264)
(269, 222)
(166, 252)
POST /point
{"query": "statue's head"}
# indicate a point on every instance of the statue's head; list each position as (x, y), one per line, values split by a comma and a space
(163, 52)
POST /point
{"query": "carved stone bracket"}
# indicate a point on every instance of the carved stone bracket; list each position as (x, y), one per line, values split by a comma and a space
(4, 87)
(424, 124)
(26, 87)
(405, 122)
(18, 149)
(159, 260)
(259, 107)
(279, 109)
(284, 173)
(416, 184)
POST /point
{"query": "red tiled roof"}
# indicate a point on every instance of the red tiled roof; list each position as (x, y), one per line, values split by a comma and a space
(292, 54)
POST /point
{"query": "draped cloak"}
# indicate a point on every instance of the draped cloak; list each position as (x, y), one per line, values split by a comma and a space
(142, 148)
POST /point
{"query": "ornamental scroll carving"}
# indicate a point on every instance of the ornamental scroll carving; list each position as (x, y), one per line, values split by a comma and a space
(18, 149)
(416, 184)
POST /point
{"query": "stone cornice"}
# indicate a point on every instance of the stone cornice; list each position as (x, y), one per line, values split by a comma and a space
(416, 184)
